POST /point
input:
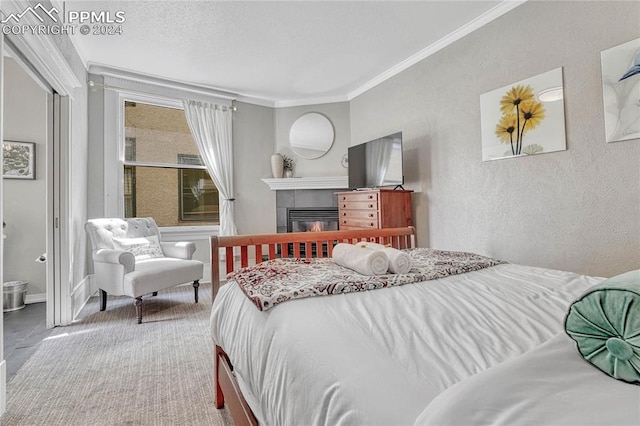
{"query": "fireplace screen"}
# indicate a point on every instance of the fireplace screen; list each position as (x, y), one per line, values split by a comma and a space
(312, 219)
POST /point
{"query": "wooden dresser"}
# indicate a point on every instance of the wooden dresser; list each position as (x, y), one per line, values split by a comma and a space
(376, 208)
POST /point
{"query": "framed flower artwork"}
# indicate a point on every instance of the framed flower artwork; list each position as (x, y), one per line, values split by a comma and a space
(19, 160)
(621, 91)
(524, 118)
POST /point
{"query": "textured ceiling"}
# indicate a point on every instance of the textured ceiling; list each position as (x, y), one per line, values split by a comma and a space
(290, 52)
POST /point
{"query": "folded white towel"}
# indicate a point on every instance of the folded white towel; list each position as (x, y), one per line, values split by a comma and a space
(399, 261)
(363, 260)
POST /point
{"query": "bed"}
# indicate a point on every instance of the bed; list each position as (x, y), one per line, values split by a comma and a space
(397, 355)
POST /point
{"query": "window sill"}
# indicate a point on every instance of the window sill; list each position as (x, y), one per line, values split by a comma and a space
(188, 233)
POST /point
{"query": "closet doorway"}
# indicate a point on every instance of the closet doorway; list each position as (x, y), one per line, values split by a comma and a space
(27, 130)
(34, 113)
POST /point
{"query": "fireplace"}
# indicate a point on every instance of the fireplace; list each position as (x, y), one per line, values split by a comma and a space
(310, 219)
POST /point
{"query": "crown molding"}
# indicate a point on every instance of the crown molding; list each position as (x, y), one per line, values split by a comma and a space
(311, 101)
(286, 103)
(496, 12)
(255, 100)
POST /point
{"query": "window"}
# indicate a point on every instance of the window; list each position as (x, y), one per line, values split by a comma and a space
(164, 177)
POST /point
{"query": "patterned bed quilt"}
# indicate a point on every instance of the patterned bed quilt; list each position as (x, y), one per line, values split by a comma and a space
(275, 281)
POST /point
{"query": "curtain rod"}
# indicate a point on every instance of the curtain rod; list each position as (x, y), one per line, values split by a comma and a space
(92, 83)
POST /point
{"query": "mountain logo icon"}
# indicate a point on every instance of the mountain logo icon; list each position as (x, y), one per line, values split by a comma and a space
(38, 11)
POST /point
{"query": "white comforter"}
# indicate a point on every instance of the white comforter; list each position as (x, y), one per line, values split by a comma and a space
(380, 357)
(550, 385)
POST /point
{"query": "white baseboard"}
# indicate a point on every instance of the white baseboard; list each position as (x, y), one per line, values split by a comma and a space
(82, 293)
(206, 275)
(35, 298)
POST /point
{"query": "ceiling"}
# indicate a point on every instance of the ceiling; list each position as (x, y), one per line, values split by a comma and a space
(280, 53)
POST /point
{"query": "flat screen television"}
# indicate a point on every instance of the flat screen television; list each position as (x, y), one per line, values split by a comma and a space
(376, 163)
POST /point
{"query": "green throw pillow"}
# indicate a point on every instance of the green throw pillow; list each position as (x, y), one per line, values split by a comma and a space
(605, 323)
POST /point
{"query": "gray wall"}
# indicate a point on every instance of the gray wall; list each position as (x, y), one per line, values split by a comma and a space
(576, 210)
(328, 164)
(259, 132)
(25, 120)
(253, 144)
(95, 104)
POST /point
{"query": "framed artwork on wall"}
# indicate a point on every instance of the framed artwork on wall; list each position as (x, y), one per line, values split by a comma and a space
(19, 160)
(621, 91)
(524, 118)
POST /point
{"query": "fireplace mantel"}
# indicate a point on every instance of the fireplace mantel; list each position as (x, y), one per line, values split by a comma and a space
(319, 182)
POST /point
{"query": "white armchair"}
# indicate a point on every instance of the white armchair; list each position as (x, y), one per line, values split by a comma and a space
(129, 259)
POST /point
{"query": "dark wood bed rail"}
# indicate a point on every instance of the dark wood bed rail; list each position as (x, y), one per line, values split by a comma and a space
(260, 247)
(278, 245)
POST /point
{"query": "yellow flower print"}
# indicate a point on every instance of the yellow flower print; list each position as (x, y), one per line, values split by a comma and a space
(515, 96)
(532, 113)
(506, 128)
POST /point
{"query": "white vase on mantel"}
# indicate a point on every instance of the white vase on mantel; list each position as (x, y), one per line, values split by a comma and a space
(277, 165)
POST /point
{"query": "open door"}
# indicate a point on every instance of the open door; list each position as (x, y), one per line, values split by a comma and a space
(59, 311)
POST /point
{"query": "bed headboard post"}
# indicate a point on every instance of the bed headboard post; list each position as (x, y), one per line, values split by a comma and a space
(215, 266)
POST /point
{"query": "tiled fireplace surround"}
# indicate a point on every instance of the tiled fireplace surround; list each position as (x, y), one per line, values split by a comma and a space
(302, 198)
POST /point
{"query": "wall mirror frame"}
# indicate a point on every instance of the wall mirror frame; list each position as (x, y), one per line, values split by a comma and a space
(311, 135)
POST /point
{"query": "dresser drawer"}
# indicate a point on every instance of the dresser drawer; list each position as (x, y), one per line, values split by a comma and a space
(359, 214)
(358, 223)
(358, 196)
(358, 205)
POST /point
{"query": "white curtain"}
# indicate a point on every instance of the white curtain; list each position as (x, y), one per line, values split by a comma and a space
(210, 127)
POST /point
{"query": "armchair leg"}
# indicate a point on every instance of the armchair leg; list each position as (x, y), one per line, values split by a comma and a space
(196, 284)
(138, 304)
(103, 300)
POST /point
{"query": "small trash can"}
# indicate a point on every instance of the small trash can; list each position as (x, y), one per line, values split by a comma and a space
(14, 292)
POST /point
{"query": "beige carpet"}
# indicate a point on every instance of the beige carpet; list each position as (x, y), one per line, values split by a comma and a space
(107, 370)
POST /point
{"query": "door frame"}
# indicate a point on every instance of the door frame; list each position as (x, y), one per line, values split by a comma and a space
(59, 308)
(3, 362)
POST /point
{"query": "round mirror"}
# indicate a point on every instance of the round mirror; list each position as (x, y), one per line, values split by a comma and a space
(311, 135)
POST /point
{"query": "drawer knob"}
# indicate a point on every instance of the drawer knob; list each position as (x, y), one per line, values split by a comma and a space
(344, 206)
(370, 197)
(370, 214)
(370, 206)
(371, 224)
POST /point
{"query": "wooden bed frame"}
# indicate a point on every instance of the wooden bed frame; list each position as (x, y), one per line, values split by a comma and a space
(295, 244)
